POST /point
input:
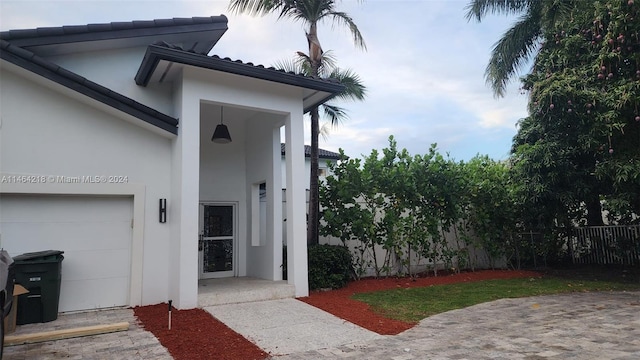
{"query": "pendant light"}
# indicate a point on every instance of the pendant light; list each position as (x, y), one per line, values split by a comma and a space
(221, 134)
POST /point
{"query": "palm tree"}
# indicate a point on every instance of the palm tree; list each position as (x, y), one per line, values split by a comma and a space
(310, 13)
(354, 88)
(522, 40)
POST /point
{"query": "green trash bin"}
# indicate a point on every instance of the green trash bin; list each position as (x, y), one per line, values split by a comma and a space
(40, 273)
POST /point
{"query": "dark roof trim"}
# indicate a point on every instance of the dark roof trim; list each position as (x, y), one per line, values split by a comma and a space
(31, 62)
(114, 30)
(322, 154)
(157, 52)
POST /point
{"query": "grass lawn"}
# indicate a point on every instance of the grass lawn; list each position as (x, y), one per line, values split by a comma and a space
(415, 304)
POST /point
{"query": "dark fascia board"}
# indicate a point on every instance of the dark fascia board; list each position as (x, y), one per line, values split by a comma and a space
(31, 62)
(156, 53)
(160, 28)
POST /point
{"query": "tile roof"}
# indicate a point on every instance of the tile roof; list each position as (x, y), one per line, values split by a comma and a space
(121, 30)
(21, 47)
(31, 62)
(173, 53)
(322, 154)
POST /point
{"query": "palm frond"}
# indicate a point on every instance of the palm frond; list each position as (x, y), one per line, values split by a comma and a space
(478, 9)
(512, 51)
(554, 11)
(301, 64)
(344, 19)
(325, 129)
(255, 7)
(290, 66)
(354, 87)
(328, 63)
(335, 114)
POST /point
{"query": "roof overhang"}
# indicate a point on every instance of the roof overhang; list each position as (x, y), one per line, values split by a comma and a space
(159, 62)
(34, 64)
(198, 34)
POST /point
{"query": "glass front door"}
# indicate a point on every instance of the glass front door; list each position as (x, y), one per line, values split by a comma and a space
(217, 238)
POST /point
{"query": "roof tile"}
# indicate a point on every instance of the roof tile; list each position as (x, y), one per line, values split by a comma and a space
(73, 29)
(163, 22)
(121, 25)
(113, 26)
(249, 64)
(45, 64)
(48, 31)
(323, 154)
(144, 23)
(98, 27)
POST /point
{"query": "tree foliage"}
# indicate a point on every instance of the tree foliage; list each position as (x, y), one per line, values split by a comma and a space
(519, 43)
(419, 207)
(580, 145)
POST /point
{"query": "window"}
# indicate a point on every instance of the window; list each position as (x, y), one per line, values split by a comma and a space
(258, 214)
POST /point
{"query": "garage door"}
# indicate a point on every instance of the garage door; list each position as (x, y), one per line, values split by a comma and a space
(94, 233)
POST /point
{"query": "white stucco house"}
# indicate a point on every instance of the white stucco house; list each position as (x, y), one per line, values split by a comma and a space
(106, 153)
(324, 158)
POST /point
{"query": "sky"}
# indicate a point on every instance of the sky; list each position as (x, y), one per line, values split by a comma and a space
(423, 66)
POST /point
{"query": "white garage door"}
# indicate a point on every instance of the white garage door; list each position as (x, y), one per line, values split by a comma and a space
(93, 232)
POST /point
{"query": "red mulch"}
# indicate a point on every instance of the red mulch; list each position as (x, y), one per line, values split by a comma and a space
(195, 334)
(339, 302)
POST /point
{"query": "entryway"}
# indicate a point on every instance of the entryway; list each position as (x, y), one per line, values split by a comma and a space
(234, 290)
(217, 243)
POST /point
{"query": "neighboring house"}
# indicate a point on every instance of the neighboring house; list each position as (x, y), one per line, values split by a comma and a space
(106, 154)
(325, 157)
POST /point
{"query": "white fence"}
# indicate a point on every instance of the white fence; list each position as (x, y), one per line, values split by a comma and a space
(476, 258)
(606, 245)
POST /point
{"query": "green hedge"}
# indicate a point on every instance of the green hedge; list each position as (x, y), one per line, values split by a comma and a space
(330, 266)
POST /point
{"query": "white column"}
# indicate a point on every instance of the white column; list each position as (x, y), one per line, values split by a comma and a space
(182, 211)
(296, 205)
(276, 203)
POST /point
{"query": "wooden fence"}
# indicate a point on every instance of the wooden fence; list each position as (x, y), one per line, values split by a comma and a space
(606, 245)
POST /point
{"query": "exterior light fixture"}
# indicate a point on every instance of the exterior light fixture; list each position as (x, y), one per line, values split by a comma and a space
(221, 134)
(163, 211)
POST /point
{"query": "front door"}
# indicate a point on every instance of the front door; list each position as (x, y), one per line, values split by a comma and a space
(217, 240)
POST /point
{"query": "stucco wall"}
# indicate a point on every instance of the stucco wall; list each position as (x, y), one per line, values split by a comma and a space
(263, 146)
(46, 133)
(49, 130)
(116, 69)
(322, 164)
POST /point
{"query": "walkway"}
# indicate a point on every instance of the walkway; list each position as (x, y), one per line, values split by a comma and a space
(289, 326)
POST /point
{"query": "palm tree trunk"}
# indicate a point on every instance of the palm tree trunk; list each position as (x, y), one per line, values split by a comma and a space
(594, 210)
(313, 221)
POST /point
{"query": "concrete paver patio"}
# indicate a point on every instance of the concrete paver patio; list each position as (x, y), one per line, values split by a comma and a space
(135, 343)
(568, 326)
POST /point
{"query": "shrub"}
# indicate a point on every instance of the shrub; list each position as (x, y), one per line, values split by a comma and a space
(329, 266)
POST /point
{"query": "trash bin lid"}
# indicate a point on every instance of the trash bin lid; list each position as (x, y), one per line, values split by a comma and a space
(39, 256)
